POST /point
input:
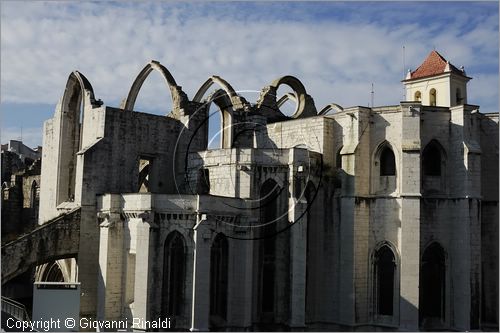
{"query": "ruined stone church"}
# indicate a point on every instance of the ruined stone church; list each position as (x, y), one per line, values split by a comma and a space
(358, 218)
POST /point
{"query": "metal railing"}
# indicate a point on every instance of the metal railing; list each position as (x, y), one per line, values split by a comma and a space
(14, 309)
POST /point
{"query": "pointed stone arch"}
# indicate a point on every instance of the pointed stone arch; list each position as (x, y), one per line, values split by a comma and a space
(331, 107)
(77, 86)
(179, 98)
(78, 100)
(304, 103)
(237, 101)
(385, 285)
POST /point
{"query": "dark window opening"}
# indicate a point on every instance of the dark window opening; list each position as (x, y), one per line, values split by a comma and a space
(173, 275)
(458, 96)
(218, 277)
(338, 160)
(432, 160)
(144, 175)
(432, 282)
(203, 181)
(268, 285)
(385, 266)
(34, 196)
(387, 162)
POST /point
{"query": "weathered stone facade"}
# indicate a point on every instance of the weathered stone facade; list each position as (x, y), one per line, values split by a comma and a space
(21, 167)
(354, 219)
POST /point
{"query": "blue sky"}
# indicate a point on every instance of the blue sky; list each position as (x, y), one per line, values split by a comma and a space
(337, 49)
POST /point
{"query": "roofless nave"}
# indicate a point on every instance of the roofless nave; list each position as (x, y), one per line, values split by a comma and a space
(356, 218)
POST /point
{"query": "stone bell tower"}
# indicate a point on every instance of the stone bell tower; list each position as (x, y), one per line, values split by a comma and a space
(436, 82)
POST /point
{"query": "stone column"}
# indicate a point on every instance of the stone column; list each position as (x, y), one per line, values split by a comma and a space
(201, 276)
(147, 235)
(464, 254)
(409, 180)
(109, 287)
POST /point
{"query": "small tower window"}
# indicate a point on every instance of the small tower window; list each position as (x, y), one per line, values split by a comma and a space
(387, 162)
(418, 96)
(432, 97)
(459, 98)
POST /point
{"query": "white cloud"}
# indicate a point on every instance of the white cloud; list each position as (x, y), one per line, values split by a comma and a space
(41, 43)
(32, 137)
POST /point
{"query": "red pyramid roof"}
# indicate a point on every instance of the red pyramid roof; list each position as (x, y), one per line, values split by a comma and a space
(434, 64)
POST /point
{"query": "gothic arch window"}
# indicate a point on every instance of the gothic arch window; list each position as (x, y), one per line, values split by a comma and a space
(269, 204)
(174, 274)
(432, 283)
(219, 121)
(34, 195)
(387, 162)
(77, 100)
(384, 281)
(52, 273)
(432, 97)
(418, 96)
(432, 159)
(218, 279)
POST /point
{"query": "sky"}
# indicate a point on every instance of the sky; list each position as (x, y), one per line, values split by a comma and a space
(337, 50)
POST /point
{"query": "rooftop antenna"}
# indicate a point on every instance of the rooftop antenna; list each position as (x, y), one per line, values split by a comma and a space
(404, 74)
(21, 134)
(372, 95)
